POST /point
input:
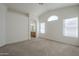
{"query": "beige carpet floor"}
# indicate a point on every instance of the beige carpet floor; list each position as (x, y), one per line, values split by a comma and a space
(40, 47)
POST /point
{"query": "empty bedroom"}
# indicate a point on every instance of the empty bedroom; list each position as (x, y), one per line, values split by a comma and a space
(39, 29)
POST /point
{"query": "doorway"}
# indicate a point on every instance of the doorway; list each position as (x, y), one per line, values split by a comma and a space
(33, 29)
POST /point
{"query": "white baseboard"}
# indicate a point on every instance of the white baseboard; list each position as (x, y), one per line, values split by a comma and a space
(60, 42)
(1, 45)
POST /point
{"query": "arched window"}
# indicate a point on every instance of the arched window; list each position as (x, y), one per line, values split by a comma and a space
(52, 18)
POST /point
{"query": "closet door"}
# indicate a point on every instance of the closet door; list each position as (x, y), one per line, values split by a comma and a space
(17, 27)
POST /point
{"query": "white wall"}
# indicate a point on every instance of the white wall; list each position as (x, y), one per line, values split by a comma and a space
(16, 27)
(3, 10)
(54, 29)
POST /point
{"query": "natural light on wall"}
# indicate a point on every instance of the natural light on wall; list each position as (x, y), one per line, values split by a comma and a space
(70, 27)
(42, 27)
(52, 18)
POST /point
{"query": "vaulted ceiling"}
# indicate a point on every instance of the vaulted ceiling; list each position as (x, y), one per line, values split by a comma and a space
(36, 8)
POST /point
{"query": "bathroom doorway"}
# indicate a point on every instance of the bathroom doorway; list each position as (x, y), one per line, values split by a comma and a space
(33, 29)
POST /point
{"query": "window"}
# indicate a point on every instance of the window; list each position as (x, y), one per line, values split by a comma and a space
(70, 28)
(51, 18)
(42, 27)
